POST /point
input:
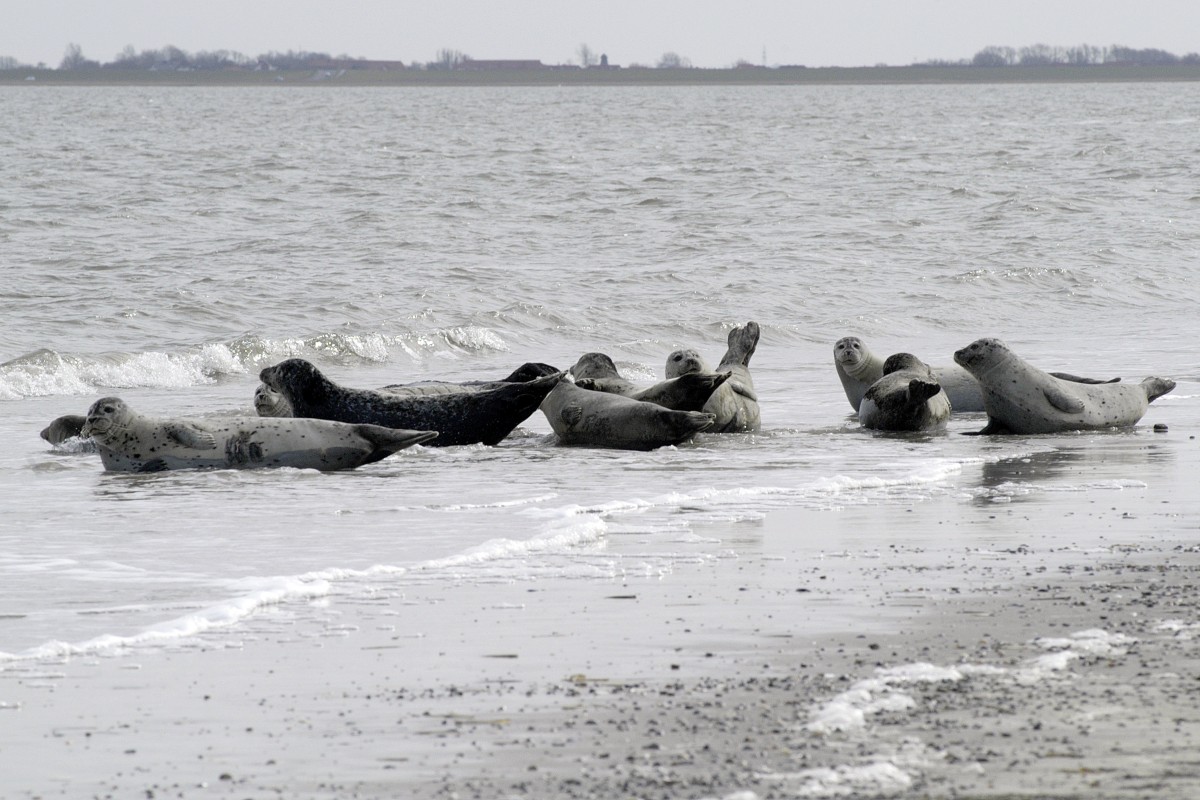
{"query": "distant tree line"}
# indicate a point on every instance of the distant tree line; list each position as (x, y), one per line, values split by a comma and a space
(173, 58)
(1043, 55)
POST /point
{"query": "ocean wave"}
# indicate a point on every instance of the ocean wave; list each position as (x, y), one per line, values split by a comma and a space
(46, 372)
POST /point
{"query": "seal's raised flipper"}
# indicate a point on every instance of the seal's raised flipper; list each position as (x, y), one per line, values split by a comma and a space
(742, 342)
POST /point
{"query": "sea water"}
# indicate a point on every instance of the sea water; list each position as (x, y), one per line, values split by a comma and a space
(165, 244)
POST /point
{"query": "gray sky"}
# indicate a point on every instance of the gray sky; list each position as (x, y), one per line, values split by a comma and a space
(711, 33)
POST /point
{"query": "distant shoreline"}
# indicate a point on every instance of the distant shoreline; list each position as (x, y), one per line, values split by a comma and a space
(782, 76)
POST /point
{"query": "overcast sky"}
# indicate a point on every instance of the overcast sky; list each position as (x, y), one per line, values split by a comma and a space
(710, 33)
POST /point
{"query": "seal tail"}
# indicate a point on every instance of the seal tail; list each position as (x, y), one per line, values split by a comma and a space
(391, 440)
(529, 371)
(742, 342)
(1157, 387)
(688, 423)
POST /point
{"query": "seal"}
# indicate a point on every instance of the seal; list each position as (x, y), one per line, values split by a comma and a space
(485, 416)
(130, 442)
(270, 403)
(858, 368)
(602, 375)
(528, 371)
(1020, 398)
(906, 398)
(734, 404)
(604, 419)
(68, 426)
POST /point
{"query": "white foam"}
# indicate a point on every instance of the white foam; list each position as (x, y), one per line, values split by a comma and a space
(850, 709)
(257, 593)
(45, 372)
(877, 779)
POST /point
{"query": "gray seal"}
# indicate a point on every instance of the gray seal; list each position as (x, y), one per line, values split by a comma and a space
(130, 442)
(734, 404)
(270, 403)
(1022, 399)
(601, 374)
(858, 368)
(461, 417)
(906, 398)
(604, 419)
(68, 426)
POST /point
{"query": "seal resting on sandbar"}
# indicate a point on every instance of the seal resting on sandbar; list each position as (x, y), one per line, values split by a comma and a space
(906, 398)
(130, 442)
(603, 419)
(858, 368)
(461, 417)
(734, 404)
(1022, 399)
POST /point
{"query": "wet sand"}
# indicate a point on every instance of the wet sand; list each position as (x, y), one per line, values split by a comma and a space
(1012, 637)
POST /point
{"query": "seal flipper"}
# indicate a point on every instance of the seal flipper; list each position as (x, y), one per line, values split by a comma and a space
(190, 436)
(743, 390)
(572, 415)
(742, 342)
(528, 371)
(391, 440)
(921, 390)
(992, 428)
(1066, 376)
(1064, 402)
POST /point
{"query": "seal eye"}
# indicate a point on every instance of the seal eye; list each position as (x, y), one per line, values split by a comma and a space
(108, 409)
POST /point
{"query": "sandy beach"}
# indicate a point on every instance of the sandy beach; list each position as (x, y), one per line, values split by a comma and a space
(1023, 643)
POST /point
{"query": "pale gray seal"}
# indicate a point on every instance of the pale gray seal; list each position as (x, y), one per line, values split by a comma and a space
(461, 417)
(906, 398)
(603, 419)
(130, 442)
(1020, 398)
(270, 403)
(858, 368)
(734, 404)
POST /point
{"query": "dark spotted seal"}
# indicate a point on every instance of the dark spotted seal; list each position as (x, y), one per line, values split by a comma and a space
(460, 418)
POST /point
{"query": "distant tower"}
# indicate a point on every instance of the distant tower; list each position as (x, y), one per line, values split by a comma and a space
(764, 55)
(603, 59)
